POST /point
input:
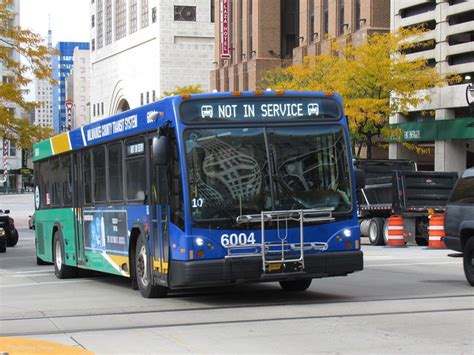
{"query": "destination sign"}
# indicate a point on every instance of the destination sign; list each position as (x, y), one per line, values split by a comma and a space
(260, 109)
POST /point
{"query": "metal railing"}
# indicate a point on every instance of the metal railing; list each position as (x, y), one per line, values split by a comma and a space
(277, 253)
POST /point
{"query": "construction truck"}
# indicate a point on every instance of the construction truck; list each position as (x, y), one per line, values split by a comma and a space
(395, 187)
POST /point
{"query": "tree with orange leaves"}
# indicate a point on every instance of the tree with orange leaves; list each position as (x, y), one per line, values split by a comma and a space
(375, 79)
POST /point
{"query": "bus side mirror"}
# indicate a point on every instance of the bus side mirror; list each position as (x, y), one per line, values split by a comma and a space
(160, 151)
(360, 178)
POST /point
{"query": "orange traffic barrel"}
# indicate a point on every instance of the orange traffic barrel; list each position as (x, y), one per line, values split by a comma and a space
(396, 232)
(436, 232)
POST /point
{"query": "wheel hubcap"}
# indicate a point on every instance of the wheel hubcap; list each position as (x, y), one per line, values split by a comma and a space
(142, 266)
(372, 232)
(58, 256)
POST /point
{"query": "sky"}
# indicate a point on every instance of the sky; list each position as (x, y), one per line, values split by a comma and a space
(69, 18)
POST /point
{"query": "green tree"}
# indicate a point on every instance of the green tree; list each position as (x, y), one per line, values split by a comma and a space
(375, 79)
(13, 87)
(183, 90)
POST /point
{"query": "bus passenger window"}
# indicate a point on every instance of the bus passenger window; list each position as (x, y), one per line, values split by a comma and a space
(115, 172)
(136, 179)
(66, 180)
(86, 161)
(98, 161)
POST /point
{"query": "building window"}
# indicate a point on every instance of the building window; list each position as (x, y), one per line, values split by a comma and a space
(325, 17)
(102, 106)
(12, 151)
(133, 16)
(120, 19)
(357, 15)
(141, 99)
(144, 13)
(341, 17)
(100, 23)
(240, 31)
(153, 15)
(108, 21)
(147, 97)
(154, 96)
(312, 34)
(93, 44)
(250, 28)
(185, 13)
(213, 9)
(92, 21)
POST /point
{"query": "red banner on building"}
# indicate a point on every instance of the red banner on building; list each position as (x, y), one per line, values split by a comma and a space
(225, 51)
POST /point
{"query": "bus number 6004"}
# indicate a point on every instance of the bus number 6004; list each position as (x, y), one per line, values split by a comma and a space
(237, 239)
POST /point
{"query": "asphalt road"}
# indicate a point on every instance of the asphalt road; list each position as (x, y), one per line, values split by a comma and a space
(410, 300)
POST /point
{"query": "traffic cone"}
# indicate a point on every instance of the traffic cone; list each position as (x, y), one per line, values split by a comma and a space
(436, 232)
(396, 232)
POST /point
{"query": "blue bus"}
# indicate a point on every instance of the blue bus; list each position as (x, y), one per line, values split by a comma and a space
(202, 190)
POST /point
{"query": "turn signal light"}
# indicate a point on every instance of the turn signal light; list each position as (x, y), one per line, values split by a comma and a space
(280, 92)
(329, 93)
(200, 253)
(236, 93)
(185, 96)
(258, 92)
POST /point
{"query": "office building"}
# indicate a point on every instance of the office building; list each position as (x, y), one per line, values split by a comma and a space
(445, 124)
(142, 48)
(62, 65)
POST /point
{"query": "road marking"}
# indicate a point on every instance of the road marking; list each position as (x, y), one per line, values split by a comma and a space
(31, 272)
(413, 264)
(45, 283)
(31, 275)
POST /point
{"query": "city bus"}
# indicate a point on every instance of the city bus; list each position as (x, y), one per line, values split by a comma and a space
(203, 190)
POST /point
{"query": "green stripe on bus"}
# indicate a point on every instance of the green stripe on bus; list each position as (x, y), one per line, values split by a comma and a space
(42, 150)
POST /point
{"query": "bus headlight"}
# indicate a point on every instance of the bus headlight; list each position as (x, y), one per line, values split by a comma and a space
(199, 242)
(347, 233)
(2, 232)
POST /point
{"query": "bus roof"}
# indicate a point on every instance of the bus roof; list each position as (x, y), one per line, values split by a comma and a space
(138, 120)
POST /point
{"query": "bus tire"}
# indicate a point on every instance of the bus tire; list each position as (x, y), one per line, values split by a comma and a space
(61, 270)
(376, 231)
(12, 238)
(143, 271)
(295, 285)
(468, 260)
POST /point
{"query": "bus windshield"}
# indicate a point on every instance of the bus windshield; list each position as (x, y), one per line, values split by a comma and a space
(239, 171)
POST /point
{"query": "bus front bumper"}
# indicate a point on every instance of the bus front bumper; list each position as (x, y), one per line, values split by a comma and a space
(249, 269)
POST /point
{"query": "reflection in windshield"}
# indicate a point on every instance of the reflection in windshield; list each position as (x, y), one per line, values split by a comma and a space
(238, 171)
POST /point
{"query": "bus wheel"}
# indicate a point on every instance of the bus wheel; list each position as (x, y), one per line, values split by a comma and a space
(295, 285)
(143, 272)
(469, 261)
(61, 270)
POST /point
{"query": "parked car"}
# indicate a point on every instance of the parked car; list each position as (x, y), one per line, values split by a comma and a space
(8, 225)
(3, 240)
(459, 222)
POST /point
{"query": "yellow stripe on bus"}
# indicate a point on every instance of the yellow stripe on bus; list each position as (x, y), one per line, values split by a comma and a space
(61, 143)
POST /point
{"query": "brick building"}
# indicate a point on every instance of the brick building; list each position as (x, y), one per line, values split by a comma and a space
(264, 34)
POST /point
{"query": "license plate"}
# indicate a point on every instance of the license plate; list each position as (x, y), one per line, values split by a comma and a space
(274, 267)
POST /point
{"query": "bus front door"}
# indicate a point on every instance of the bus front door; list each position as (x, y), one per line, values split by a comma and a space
(160, 221)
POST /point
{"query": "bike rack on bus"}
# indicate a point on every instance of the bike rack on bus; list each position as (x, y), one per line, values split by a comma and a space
(280, 253)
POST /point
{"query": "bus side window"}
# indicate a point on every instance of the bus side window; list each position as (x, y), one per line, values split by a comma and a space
(98, 162)
(135, 170)
(66, 180)
(177, 202)
(115, 178)
(86, 168)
